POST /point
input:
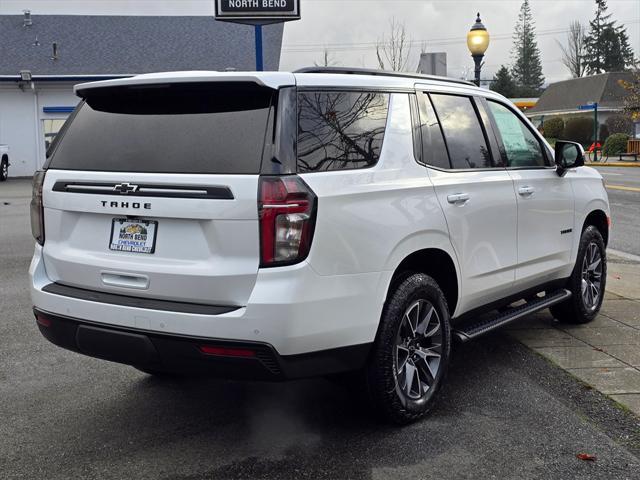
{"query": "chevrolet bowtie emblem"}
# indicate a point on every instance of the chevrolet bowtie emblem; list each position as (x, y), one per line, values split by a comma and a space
(125, 188)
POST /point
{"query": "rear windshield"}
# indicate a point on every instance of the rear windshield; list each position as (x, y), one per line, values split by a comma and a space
(188, 128)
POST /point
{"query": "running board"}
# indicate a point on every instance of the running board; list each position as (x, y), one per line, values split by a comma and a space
(472, 330)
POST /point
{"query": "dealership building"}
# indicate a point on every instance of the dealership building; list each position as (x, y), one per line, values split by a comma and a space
(43, 56)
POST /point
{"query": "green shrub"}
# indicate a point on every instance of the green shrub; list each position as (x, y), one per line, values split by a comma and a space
(579, 129)
(619, 124)
(615, 144)
(604, 133)
(553, 127)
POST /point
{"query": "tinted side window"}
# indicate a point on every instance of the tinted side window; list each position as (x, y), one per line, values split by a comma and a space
(462, 131)
(521, 146)
(434, 150)
(340, 130)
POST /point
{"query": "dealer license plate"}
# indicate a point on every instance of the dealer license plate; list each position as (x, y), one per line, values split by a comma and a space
(137, 236)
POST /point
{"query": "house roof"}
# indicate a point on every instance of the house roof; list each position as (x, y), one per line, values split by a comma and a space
(120, 45)
(566, 96)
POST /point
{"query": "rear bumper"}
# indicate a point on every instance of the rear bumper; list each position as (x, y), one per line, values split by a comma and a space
(292, 310)
(193, 355)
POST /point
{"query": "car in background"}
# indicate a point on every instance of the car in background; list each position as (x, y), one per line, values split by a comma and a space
(4, 162)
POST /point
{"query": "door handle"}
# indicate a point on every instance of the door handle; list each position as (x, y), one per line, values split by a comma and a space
(526, 191)
(458, 198)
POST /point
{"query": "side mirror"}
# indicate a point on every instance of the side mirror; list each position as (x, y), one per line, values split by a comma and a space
(568, 155)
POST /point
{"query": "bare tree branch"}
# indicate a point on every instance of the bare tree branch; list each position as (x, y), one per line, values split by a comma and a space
(393, 54)
(327, 59)
(573, 52)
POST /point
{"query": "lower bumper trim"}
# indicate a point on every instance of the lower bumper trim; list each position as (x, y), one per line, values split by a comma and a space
(183, 354)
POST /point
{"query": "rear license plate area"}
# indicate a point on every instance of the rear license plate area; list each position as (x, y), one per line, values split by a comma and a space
(136, 236)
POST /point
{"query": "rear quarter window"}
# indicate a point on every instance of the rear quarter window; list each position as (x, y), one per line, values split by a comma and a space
(340, 130)
(177, 128)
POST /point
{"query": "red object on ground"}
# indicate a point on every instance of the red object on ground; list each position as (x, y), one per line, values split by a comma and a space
(586, 456)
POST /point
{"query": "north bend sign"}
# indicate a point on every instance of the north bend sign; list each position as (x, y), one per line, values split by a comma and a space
(257, 11)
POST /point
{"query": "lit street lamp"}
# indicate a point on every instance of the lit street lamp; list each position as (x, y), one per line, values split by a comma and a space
(478, 42)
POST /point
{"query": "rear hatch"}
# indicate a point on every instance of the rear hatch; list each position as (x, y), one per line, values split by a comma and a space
(151, 190)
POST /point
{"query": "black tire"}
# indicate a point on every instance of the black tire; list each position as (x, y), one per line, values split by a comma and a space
(583, 306)
(4, 170)
(396, 352)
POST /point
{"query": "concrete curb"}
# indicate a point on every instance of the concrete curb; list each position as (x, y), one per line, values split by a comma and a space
(613, 164)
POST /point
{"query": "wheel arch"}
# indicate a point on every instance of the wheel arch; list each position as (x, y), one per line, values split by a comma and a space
(599, 219)
(436, 263)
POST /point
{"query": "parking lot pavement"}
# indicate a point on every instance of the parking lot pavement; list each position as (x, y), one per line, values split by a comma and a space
(505, 412)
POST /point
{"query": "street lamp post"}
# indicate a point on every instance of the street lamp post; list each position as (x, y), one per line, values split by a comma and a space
(478, 42)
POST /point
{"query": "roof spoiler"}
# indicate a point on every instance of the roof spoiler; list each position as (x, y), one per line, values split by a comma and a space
(272, 80)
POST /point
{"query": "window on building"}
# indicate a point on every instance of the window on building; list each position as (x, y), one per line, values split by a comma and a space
(462, 131)
(340, 130)
(521, 146)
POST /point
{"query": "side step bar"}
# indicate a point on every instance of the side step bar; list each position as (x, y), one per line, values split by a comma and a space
(472, 330)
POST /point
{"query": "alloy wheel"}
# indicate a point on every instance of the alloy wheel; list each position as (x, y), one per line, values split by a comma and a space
(418, 350)
(591, 276)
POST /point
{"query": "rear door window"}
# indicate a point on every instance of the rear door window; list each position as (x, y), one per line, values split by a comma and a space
(176, 128)
(462, 131)
(340, 130)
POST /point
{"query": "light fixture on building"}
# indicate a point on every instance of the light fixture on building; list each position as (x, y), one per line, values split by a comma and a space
(25, 76)
(478, 42)
(27, 21)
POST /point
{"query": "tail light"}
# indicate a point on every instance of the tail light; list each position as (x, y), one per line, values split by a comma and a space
(287, 209)
(37, 209)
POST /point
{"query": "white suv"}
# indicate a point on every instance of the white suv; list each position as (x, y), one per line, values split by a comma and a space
(282, 225)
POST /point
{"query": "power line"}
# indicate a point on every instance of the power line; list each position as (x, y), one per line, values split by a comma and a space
(363, 46)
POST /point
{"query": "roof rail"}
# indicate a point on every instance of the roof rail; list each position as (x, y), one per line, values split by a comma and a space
(384, 73)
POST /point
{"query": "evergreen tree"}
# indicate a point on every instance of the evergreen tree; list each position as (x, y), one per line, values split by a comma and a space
(527, 69)
(625, 48)
(503, 83)
(613, 61)
(606, 45)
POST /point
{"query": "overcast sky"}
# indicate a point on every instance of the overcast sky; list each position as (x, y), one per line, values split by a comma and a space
(349, 29)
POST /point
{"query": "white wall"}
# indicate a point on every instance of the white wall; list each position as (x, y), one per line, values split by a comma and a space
(21, 115)
(106, 7)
